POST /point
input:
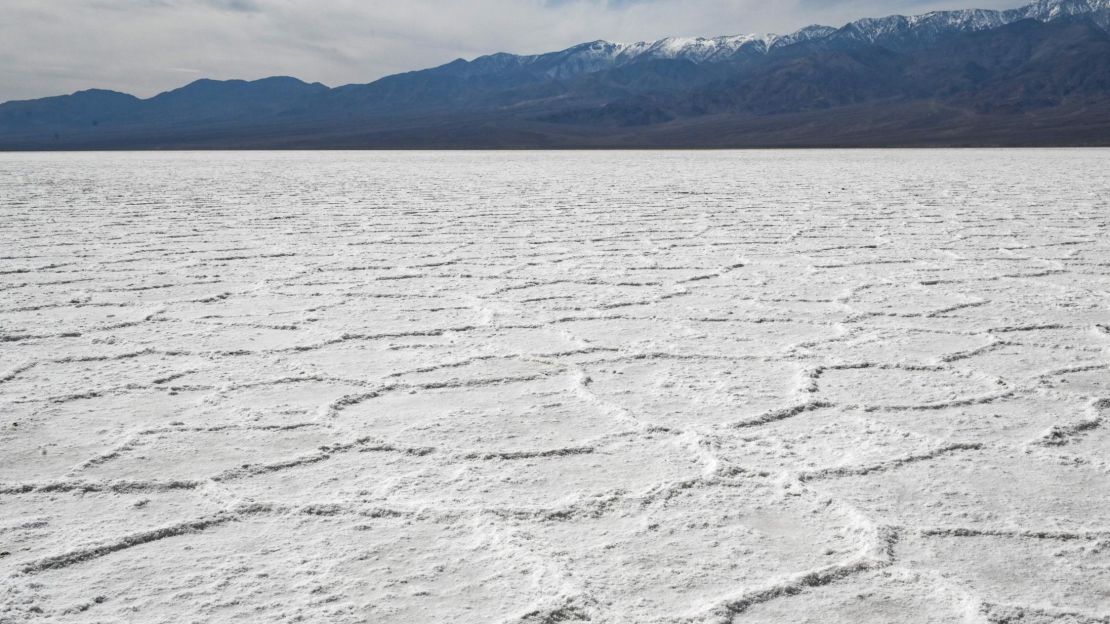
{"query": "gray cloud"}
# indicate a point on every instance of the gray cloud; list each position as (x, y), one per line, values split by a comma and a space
(142, 46)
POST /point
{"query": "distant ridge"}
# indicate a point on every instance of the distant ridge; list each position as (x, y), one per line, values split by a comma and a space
(898, 30)
(1035, 75)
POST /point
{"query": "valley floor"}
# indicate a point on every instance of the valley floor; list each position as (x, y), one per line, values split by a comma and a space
(752, 387)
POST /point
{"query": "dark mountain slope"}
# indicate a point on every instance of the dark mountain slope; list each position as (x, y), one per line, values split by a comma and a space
(953, 78)
(206, 100)
(80, 110)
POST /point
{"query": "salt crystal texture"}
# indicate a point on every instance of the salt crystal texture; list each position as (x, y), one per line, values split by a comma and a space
(773, 387)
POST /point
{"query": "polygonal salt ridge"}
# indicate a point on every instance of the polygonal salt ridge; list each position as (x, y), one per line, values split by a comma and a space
(694, 391)
(977, 487)
(1042, 585)
(536, 414)
(873, 387)
(220, 454)
(462, 565)
(890, 594)
(91, 516)
(1090, 381)
(530, 485)
(817, 440)
(695, 537)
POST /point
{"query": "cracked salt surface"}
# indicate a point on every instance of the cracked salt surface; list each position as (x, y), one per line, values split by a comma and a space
(747, 387)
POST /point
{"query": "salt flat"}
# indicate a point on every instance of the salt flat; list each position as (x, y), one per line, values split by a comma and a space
(750, 387)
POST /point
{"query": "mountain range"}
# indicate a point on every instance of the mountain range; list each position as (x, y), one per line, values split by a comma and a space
(1036, 75)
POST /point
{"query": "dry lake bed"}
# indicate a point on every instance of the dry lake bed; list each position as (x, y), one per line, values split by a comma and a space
(751, 387)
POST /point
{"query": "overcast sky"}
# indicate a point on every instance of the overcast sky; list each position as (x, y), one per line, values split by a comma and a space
(51, 47)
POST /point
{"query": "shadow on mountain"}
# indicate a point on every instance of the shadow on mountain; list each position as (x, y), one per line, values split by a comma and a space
(1026, 82)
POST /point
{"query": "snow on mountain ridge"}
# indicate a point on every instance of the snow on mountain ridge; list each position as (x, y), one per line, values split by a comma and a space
(600, 55)
(697, 49)
(876, 30)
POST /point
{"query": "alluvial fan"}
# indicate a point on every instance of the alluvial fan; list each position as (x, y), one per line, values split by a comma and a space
(855, 387)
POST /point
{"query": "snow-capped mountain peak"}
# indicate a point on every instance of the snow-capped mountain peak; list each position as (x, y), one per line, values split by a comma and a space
(696, 49)
(895, 29)
(937, 23)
